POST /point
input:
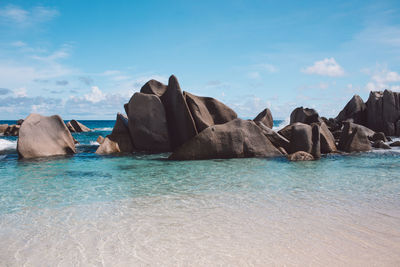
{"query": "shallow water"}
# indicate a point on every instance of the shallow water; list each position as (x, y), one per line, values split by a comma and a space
(144, 210)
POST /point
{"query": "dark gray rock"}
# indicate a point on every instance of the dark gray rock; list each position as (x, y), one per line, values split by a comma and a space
(42, 136)
(327, 140)
(119, 140)
(207, 111)
(12, 130)
(148, 123)
(235, 139)
(265, 117)
(378, 136)
(354, 111)
(75, 126)
(354, 138)
(181, 126)
(304, 115)
(276, 139)
(154, 87)
(395, 143)
(304, 137)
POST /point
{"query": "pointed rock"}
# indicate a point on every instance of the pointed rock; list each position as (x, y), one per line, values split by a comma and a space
(304, 115)
(265, 117)
(354, 138)
(354, 111)
(181, 126)
(154, 87)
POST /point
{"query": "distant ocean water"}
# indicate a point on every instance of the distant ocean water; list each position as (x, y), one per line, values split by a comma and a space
(142, 209)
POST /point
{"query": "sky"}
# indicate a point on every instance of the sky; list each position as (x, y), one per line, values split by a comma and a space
(85, 59)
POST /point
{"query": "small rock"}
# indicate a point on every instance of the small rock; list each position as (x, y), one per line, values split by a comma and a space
(395, 143)
(380, 144)
(300, 156)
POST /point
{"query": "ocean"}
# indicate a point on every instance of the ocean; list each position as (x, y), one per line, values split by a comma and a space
(141, 209)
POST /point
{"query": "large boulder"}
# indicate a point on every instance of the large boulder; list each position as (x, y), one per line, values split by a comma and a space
(154, 87)
(208, 111)
(354, 111)
(42, 136)
(75, 126)
(300, 156)
(119, 140)
(148, 124)
(383, 112)
(276, 139)
(235, 139)
(265, 117)
(354, 138)
(304, 137)
(304, 115)
(181, 126)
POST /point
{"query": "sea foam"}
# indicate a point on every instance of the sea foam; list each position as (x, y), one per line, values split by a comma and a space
(7, 145)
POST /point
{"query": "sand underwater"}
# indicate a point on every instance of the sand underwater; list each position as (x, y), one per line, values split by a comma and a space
(141, 209)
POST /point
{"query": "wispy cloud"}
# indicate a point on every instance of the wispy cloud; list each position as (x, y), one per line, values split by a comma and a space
(325, 67)
(13, 15)
(382, 78)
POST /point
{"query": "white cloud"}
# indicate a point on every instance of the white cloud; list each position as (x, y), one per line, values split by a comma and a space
(325, 67)
(17, 16)
(96, 95)
(382, 78)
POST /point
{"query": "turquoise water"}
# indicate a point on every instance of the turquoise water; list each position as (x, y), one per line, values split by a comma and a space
(144, 209)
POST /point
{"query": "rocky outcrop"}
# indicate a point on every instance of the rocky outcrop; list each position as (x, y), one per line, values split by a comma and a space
(12, 130)
(355, 111)
(383, 112)
(20, 121)
(235, 139)
(181, 126)
(304, 137)
(75, 126)
(148, 124)
(119, 140)
(395, 143)
(304, 115)
(42, 136)
(154, 87)
(354, 138)
(276, 139)
(300, 156)
(207, 111)
(265, 117)
(378, 136)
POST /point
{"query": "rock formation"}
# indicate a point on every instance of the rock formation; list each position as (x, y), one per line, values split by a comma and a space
(304, 115)
(154, 87)
(300, 156)
(119, 140)
(148, 124)
(207, 111)
(42, 136)
(235, 139)
(354, 111)
(354, 138)
(265, 117)
(75, 126)
(276, 139)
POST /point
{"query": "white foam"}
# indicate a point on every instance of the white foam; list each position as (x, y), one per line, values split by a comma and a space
(7, 144)
(94, 143)
(103, 129)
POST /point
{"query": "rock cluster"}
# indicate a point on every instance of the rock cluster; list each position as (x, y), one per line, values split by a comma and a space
(163, 118)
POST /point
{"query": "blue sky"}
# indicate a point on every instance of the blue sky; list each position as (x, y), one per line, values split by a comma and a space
(84, 59)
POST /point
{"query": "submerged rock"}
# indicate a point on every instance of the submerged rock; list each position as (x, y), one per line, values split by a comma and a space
(380, 144)
(75, 126)
(148, 124)
(42, 136)
(300, 156)
(265, 117)
(304, 115)
(207, 111)
(181, 126)
(119, 140)
(235, 139)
